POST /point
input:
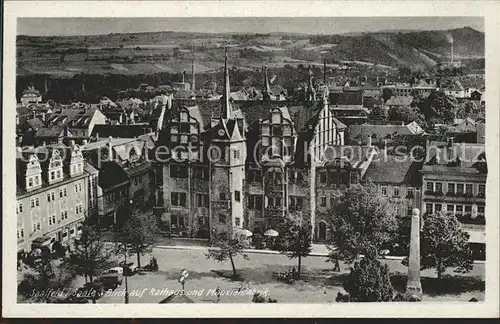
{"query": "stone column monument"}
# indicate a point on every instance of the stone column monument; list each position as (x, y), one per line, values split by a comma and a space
(413, 286)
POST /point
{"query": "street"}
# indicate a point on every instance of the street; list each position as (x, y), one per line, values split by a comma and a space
(204, 278)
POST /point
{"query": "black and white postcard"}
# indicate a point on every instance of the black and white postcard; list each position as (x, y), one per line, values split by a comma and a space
(286, 158)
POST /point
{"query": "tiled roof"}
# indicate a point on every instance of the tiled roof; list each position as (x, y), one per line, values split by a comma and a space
(111, 175)
(73, 117)
(354, 154)
(23, 111)
(53, 131)
(454, 86)
(35, 123)
(399, 101)
(121, 131)
(394, 169)
(460, 157)
(383, 131)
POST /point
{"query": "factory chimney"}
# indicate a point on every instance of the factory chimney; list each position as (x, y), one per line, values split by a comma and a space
(451, 56)
(192, 75)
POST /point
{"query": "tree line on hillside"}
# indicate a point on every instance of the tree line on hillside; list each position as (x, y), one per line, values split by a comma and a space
(437, 108)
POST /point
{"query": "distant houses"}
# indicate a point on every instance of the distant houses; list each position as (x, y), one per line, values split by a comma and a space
(380, 135)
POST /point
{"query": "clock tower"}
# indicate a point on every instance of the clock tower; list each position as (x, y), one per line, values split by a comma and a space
(226, 153)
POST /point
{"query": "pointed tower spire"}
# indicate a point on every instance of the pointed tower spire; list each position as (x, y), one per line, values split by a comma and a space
(226, 106)
(266, 93)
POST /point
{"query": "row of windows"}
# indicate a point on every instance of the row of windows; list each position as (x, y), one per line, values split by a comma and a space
(184, 128)
(113, 196)
(20, 233)
(294, 177)
(35, 202)
(138, 180)
(55, 175)
(183, 139)
(78, 187)
(33, 181)
(397, 192)
(202, 200)
(181, 172)
(36, 226)
(455, 188)
(178, 199)
(223, 219)
(276, 130)
(77, 168)
(457, 209)
(335, 178)
(254, 202)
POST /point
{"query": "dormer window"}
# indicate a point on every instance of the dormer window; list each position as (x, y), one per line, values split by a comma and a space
(33, 173)
(55, 167)
(76, 162)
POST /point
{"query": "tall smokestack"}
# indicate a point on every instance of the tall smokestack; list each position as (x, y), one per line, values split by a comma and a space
(324, 70)
(451, 56)
(192, 74)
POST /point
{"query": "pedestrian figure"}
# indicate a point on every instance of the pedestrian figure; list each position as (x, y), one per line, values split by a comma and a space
(217, 292)
(294, 273)
(337, 265)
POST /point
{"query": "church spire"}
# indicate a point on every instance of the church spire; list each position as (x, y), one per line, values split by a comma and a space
(226, 106)
(266, 93)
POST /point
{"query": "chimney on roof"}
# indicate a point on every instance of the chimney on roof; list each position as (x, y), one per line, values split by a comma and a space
(72, 143)
(369, 141)
(34, 114)
(97, 136)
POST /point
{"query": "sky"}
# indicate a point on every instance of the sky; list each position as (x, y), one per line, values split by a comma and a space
(307, 25)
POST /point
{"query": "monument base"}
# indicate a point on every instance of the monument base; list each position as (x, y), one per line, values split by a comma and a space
(414, 290)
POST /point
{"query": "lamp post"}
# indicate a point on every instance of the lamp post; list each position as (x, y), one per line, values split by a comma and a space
(182, 279)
